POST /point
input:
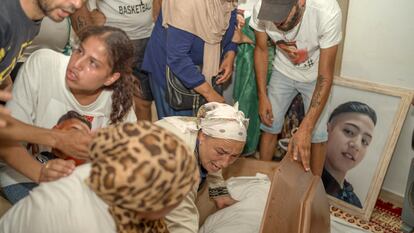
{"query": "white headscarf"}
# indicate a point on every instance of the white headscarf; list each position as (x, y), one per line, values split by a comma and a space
(216, 120)
(223, 121)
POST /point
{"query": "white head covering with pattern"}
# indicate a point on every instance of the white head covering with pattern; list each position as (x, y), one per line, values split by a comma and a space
(214, 119)
(220, 120)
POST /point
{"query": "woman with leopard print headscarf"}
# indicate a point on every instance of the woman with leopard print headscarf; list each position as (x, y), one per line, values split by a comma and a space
(139, 172)
(217, 136)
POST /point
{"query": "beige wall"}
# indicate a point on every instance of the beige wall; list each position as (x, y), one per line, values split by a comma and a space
(379, 47)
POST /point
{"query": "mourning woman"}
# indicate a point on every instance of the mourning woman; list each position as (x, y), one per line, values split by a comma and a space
(217, 136)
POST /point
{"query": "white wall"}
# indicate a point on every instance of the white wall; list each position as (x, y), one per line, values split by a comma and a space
(379, 47)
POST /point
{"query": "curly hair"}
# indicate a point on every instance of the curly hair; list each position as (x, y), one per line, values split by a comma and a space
(121, 58)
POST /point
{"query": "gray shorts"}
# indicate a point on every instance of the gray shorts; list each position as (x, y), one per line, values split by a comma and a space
(144, 89)
(281, 90)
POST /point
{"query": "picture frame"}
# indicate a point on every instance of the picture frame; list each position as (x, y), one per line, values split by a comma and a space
(391, 105)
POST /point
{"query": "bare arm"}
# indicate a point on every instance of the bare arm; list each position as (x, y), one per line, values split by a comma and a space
(18, 157)
(260, 66)
(73, 142)
(209, 93)
(226, 67)
(218, 190)
(300, 144)
(4, 96)
(156, 8)
(7, 84)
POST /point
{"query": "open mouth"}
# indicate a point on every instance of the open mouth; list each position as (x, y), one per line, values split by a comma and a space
(215, 167)
(348, 156)
(63, 13)
(71, 75)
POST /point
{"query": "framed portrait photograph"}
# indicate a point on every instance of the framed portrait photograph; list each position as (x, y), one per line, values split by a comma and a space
(364, 123)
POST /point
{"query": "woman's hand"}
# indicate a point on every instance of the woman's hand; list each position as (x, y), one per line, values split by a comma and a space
(224, 201)
(215, 97)
(209, 93)
(226, 67)
(55, 169)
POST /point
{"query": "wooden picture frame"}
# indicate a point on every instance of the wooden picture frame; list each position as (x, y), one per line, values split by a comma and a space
(391, 105)
(344, 5)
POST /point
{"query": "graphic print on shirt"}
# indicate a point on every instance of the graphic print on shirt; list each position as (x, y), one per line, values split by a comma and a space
(135, 9)
(298, 56)
(8, 60)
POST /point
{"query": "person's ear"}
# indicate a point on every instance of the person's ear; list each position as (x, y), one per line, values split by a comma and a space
(201, 138)
(112, 79)
(330, 127)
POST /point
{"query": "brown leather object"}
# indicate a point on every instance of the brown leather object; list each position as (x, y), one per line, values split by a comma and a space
(297, 202)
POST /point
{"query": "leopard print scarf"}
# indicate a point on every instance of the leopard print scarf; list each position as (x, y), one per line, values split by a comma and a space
(140, 168)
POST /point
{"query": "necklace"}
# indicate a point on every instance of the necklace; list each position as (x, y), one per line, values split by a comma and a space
(293, 38)
(68, 47)
(284, 33)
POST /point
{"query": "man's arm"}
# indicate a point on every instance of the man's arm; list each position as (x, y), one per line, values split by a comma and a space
(4, 96)
(300, 144)
(260, 65)
(72, 142)
(7, 84)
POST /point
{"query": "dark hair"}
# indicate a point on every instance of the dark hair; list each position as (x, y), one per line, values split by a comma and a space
(74, 115)
(121, 58)
(354, 107)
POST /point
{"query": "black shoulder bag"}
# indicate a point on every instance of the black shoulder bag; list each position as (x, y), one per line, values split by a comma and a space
(181, 98)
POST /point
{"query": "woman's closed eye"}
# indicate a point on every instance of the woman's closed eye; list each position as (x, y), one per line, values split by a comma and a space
(221, 151)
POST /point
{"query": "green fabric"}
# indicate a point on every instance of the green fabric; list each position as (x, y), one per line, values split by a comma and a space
(245, 88)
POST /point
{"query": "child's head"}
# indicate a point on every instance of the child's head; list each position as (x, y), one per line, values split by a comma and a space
(103, 60)
(73, 120)
(69, 121)
(350, 127)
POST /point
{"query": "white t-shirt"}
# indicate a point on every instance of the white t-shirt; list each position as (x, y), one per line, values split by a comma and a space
(67, 205)
(247, 6)
(297, 51)
(40, 98)
(132, 16)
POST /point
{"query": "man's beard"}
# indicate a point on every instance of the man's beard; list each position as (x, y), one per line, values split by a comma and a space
(294, 20)
(46, 8)
(43, 6)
